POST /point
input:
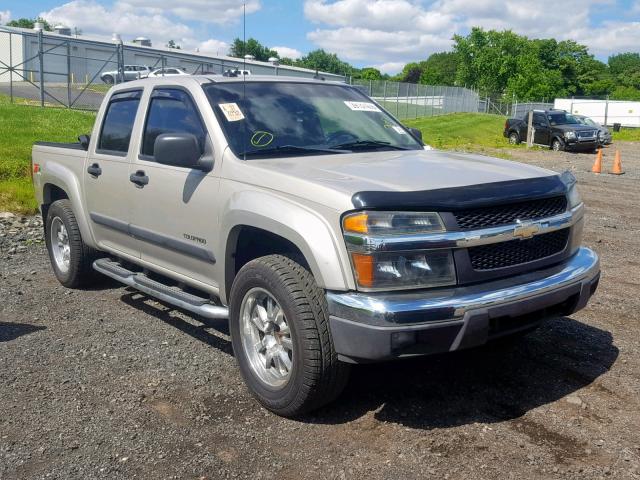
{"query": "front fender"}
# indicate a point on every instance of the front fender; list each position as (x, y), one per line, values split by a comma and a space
(64, 178)
(308, 230)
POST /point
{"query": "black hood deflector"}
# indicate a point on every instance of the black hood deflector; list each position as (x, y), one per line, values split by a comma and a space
(457, 198)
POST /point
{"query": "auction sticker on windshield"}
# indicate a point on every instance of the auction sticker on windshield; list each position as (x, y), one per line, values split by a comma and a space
(231, 111)
(362, 106)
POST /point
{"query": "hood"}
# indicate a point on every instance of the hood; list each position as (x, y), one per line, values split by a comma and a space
(320, 178)
(575, 127)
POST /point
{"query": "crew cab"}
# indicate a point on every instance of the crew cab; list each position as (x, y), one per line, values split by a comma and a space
(325, 231)
(553, 128)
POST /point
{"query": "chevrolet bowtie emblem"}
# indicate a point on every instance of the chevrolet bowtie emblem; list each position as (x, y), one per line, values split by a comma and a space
(526, 230)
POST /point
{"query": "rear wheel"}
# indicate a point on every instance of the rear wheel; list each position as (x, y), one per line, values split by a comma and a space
(514, 138)
(280, 333)
(108, 79)
(557, 145)
(70, 257)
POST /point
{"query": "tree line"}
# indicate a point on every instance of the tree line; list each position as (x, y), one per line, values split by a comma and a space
(496, 64)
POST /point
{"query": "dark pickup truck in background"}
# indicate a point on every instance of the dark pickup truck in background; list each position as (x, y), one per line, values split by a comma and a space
(553, 128)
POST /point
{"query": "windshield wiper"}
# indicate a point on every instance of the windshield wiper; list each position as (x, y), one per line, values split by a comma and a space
(290, 149)
(368, 144)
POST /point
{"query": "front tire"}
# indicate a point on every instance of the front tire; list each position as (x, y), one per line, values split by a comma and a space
(279, 325)
(557, 145)
(70, 257)
(108, 79)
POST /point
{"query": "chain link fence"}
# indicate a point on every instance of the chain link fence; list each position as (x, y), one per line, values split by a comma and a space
(75, 72)
(410, 100)
(56, 70)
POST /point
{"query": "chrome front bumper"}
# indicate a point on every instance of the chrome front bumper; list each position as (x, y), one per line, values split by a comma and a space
(390, 325)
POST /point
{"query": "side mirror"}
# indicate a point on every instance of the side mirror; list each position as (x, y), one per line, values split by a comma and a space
(84, 141)
(179, 149)
(417, 134)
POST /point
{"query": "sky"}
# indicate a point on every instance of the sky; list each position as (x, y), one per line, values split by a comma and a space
(382, 33)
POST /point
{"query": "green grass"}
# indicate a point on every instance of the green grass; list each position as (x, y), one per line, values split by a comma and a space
(20, 126)
(462, 131)
(480, 132)
(627, 135)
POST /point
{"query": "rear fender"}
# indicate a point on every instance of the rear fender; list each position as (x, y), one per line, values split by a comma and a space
(64, 178)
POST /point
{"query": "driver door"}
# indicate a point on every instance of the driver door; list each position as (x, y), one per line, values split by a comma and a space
(541, 128)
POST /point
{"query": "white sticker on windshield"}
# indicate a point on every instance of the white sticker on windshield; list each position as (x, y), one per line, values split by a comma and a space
(362, 106)
(231, 111)
(399, 130)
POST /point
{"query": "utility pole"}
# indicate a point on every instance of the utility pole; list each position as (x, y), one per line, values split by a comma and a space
(530, 131)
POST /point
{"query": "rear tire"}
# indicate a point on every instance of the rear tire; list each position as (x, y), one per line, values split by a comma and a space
(70, 257)
(279, 323)
(108, 80)
(514, 138)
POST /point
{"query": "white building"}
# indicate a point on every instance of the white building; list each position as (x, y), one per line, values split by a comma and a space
(83, 58)
(606, 112)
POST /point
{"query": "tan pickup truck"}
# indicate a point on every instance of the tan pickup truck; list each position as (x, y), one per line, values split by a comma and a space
(322, 228)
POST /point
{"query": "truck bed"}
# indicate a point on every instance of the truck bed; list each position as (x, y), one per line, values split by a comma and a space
(73, 146)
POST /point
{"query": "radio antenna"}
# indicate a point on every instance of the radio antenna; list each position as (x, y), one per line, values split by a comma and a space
(244, 76)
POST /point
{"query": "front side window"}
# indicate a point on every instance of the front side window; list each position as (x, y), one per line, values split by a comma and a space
(275, 118)
(562, 119)
(171, 111)
(118, 122)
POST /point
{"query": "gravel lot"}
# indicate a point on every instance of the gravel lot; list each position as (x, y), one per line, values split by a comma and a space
(108, 383)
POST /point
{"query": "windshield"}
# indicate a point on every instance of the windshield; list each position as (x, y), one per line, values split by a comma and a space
(562, 119)
(279, 118)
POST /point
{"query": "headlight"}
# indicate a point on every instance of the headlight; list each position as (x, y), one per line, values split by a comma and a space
(573, 196)
(419, 269)
(385, 270)
(570, 135)
(392, 223)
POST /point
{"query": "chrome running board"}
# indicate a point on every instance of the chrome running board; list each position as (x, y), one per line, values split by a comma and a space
(176, 297)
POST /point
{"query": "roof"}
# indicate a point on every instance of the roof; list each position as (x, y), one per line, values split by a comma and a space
(160, 50)
(185, 80)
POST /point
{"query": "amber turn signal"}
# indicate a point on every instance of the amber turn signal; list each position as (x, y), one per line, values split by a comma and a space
(357, 223)
(363, 267)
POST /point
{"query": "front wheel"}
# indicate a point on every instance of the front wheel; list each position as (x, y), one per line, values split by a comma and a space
(280, 333)
(557, 145)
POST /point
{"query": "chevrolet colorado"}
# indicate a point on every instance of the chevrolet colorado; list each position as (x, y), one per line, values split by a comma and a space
(320, 227)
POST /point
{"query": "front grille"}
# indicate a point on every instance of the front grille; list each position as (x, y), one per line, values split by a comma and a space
(515, 252)
(587, 134)
(485, 217)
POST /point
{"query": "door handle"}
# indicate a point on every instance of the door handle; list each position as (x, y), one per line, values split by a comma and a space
(139, 178)
(94, 170)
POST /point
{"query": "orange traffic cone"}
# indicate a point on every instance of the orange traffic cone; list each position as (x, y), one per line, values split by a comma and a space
(617, 164)
(597, 165)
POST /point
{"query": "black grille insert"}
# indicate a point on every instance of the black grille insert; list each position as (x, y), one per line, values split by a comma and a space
(515, 252)
(486, 217)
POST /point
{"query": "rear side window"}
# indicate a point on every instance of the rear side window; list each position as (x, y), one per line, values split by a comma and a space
(118, 122)
(171, 111)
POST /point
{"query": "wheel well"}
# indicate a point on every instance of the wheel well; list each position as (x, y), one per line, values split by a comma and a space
(51, 193)
(246, 243)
